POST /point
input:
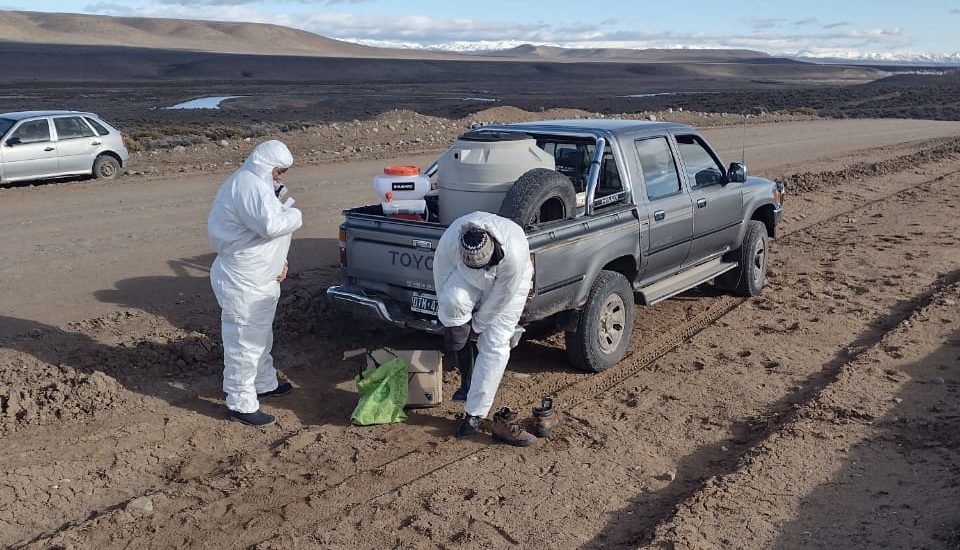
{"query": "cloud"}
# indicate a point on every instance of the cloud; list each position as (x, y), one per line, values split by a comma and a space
(955, 11)
(806, 21)
(835, 25)
(108, 8)
(759, 24)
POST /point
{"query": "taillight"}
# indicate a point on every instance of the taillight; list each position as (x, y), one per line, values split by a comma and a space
(343, 247)
(125, 139)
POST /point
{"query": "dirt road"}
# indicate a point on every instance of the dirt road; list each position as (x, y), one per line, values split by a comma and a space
(824, 413)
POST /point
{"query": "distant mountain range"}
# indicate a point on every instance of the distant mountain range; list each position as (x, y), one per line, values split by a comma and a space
(260, 38)
(653, 55)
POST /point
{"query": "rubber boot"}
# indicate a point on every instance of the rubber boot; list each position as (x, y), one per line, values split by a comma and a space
(464, 359)
(545, 418)
(505, 428)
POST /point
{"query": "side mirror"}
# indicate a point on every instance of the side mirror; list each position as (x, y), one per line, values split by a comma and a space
(737, 173)
(13, 141)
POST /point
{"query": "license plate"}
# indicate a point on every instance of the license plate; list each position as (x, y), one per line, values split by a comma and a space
(423, 303)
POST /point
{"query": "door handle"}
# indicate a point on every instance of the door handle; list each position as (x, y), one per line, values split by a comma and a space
(48, 148)
(701, 203)
(95, 142)
(659, 215)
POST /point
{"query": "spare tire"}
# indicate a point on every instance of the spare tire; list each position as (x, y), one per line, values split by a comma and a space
(538, 196)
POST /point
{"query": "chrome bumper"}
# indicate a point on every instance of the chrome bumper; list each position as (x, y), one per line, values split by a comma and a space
(353, 299)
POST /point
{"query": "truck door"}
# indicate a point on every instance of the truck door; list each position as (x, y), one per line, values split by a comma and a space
(718, 210)
(28, 151)
(670, 209)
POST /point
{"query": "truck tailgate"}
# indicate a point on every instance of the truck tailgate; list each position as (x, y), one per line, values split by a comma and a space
(389, 252)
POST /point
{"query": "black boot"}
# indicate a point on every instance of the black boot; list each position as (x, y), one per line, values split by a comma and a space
(469, 426)
(465, 365)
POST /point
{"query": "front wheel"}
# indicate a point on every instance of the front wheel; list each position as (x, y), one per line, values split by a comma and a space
(751, 272)
(106, 167)
(603, 334)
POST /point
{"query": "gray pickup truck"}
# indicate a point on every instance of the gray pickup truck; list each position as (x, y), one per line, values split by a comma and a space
(656, 213)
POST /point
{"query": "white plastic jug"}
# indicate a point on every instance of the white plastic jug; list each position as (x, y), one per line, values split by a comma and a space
(401, 182)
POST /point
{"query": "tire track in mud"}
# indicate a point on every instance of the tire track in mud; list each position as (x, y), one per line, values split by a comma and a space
(662, 533)
(418, 462)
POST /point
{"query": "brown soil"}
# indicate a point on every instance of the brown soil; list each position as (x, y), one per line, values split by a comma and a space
(823, 413)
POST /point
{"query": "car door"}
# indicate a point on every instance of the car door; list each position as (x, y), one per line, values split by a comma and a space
(77, 144)
(718, 210)
(669, 207)
(29, 152)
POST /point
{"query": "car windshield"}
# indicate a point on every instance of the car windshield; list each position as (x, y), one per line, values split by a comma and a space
(5, 124)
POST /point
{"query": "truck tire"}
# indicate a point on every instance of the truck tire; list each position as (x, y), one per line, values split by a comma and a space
(748, 277)
(603, 334)
(539, 196)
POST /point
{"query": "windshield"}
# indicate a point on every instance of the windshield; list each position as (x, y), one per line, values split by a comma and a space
(5, 124)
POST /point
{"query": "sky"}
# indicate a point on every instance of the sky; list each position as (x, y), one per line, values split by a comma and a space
(847, 28)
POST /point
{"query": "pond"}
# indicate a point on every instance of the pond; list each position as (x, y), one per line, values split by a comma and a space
(212, 102)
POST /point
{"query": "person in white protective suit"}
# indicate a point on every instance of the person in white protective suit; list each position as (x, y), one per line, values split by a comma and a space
(251, 231)
(482, 273)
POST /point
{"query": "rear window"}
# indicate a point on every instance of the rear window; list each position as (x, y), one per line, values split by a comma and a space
(659, 170)
(99, 127)
(5, 124)
(72, 127)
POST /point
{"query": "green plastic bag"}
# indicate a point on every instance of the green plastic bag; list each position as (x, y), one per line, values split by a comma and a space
(383, 394)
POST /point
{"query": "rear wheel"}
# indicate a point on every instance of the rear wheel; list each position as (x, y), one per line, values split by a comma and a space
(539, 196)
(106, 167)
(603, 334)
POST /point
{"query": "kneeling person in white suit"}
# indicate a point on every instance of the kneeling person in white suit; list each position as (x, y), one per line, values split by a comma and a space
(251, 231)
(482, 273)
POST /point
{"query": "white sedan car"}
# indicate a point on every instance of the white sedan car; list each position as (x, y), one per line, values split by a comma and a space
(53, 144)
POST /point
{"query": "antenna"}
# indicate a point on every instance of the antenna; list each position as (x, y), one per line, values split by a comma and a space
(743, 140)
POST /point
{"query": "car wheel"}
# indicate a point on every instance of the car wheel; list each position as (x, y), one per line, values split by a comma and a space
(748, 278)
(539, 196)
(603, 334)
(106, 167)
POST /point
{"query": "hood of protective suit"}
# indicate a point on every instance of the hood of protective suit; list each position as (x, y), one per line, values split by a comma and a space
(267, 156)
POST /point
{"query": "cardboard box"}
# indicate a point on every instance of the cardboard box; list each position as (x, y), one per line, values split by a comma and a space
(424, 374)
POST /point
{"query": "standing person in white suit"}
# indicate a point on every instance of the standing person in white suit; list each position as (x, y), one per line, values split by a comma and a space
(251, 231)
(482, 273)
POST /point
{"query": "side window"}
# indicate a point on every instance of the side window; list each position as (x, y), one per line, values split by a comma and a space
(100, 128)
(659, 170)
(72, 127)
(33, 131)
(702, 168)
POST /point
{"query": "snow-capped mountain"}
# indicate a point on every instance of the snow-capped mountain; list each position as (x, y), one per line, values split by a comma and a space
(896, 58)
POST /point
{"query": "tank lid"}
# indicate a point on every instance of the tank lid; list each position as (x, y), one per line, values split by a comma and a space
(401, 170)
(489, 136)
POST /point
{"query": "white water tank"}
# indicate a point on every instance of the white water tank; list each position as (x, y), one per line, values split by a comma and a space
(476, 172)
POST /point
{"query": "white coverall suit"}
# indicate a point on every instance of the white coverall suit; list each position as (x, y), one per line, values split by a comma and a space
(491, 299)
(251, 232)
